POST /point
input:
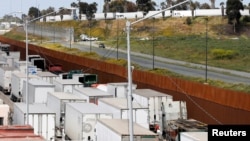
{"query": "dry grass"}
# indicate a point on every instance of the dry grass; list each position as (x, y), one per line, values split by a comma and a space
(217, 28)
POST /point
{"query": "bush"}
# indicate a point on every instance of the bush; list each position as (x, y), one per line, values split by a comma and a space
(224, 54)
(246, 19)
(188, 21)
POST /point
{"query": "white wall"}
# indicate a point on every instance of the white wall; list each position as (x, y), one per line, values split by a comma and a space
(139, 14)
(4, 113)
(193, 136)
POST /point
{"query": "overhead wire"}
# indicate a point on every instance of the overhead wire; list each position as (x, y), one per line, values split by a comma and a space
(189, 97)
(112, 50)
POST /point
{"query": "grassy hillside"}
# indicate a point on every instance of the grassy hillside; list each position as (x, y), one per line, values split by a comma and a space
(176, 38)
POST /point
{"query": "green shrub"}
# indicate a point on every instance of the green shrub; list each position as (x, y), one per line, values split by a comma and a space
(223, 54)
(188, 21)
(246, 19)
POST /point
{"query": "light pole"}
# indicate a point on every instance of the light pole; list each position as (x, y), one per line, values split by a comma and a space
(27, 61)
(70, 36)
(117, 33)
(206, 52)
(54, 26)
(153, 43)
(90, 35)
(89, 17)
(128, 26)
(79, 8)
(41, 28)
(117, 38)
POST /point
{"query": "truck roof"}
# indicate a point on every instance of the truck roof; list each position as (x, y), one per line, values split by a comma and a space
(65, 96)
(90, 91)
(23, 75)
(150, 93)
(68, 81)
(88, 108)
(119, 84)
(46, 74)
(39, 82)
(8, 68)
(120, 126)
(35, 108)
(121, 103)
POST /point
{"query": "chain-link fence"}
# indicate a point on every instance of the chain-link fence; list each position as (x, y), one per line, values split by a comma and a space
(53, 33)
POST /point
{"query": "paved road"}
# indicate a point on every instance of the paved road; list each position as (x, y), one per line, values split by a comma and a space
(180, 67)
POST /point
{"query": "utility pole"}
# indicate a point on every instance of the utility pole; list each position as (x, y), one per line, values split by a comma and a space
(79, 8)
(27, 60)
(89, 17)
(128, 26)
(206, 51)
(90, 35)
(41, 28)
(70, 36)
(117, 39)
(117, 32)
(153, 43)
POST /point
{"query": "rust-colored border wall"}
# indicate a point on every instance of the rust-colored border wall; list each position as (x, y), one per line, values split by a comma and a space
(209, 104)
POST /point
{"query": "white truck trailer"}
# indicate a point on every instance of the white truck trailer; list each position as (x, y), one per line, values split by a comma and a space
(4, 114)
(47, 76)
(80, 120)
(66, 85)
(154, 100)
(91, 94)
(118, 130)
(193, 130)
(193, 136)
(21, 65)
(41, 118)
(3, 64)
(56, 101)
(119, 89)
(37, 90)
(11, 57)
(17, 85)
(5, 77)
(120, 110)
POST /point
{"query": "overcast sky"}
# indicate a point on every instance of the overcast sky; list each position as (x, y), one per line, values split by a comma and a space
(15, 6)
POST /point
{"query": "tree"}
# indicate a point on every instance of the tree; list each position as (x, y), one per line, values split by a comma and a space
(49, 10)
(248, 8)
(192, 7)
(212, 4)
(169, 3)
(222, 9)
(122, 5)
(180, 7)
(116, 6)
(145, 5)
(106, 8)
(63, 11)
(131, 6)
(197, 4)
(233, 11)
(205, 6)
(163, 6)
(73, 4)
(88, 9)
(34, 12)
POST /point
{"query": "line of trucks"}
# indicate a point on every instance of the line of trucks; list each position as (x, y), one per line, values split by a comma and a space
(73, 106)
